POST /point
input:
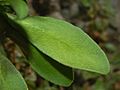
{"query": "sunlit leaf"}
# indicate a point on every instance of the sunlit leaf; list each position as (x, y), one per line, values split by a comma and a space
(65, 43)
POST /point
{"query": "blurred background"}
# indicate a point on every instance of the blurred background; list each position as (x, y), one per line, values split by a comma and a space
(100, 19)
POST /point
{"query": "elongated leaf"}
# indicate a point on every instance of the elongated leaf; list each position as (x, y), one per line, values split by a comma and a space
(41, 63)
(10, 78)
(50, 69)
(20, 7)
(65, 43)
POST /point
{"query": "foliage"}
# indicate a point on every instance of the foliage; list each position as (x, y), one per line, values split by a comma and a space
(52, 47)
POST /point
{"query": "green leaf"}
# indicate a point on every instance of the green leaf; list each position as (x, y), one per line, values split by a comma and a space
(10, 78)
(20, 7)
(87, 3)
(65, 43)
(50, 69)
(99, 85)
(41, 63)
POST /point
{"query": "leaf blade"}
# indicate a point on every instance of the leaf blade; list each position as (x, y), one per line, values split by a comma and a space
(41, 63)
(20, 7)
(10, 78)
(65, 43)
(50, 69)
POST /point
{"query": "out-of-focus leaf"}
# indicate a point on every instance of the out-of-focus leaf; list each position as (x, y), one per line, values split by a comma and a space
(65, 43)
(88, 75)
(101, 24)
(20, 7)
(116, 61)
(86, 3)
(110, 47)
(3, 2)
(99, 85)
(10, 78)
(107, 7)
